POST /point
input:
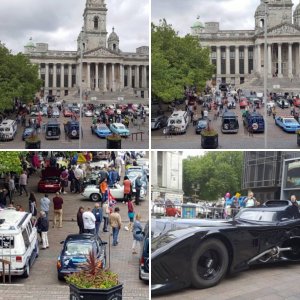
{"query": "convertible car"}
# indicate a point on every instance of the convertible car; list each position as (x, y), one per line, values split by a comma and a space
(199, 253)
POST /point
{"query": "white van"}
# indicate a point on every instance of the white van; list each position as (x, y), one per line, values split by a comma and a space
(18, 241)
(8, 129)
(180, 120)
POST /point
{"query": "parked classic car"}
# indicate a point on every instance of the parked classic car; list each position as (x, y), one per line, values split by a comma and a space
(75, 251)
(119, 128)
(101, 130)
(288, 124)
(50, 181)
(144, 258)
(201, 252)
(28, 131)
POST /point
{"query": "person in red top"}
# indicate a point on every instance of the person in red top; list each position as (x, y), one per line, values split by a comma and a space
(127, 189)
(130, 215)
(58, 212)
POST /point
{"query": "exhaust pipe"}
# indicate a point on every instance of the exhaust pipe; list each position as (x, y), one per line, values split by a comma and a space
(274, 252)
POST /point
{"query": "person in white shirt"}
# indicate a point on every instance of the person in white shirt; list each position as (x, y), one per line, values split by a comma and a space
(78, 173)
(89, 221)
(45, 205)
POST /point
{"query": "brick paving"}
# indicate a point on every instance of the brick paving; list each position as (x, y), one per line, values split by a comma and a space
(43, 283)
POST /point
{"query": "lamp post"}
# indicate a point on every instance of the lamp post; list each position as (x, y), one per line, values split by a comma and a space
(266, 70)
(195, 188)
(82, 46)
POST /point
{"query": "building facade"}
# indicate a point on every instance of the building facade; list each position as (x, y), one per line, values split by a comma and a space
(166, 175)
(239, 53)
(263, 174)
(105, 67)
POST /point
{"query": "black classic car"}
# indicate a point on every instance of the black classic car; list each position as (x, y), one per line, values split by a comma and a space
(199, 253)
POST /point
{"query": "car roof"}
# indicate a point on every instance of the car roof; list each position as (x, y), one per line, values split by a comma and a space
(80, 237)
(229, 114)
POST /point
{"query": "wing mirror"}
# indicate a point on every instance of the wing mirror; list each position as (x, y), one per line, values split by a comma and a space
(61, 242)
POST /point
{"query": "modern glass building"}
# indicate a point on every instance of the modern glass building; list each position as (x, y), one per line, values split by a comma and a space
(263, 174)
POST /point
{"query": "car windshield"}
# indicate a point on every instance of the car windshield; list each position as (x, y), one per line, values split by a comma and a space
(257, 216)
(78, 248)
(289, 120)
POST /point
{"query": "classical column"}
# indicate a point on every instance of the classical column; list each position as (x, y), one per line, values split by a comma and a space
(299, 59)
(113, 86)
(218, 61)
(279, 61)
(122, 76)
(89, 76)
(237, 60)
(137, 77)
(259, 58)
(227, 60)
(69, 76)
(104, 78)
(129, 80)
(39, 70)
(246, 60)
(269, 61)
(47, 76)
(290, 61)
(62, 76)
(97, 77)
(144, 77)
(54, 76)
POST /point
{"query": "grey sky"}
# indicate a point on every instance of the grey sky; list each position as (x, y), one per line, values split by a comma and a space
(232, 14)
(58, 22)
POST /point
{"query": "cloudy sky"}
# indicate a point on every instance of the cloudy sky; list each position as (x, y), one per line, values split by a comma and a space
(232, 14)
(58, 22)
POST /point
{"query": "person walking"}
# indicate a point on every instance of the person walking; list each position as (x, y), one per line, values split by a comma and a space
(89, 221)
(58, 210)
(138, 186)
(130, 215)
(137, 232)
(23, 183)
(106, 212)
(98, 213)
(43, 227)
(127, 188)
(32, 207)
(116, 224)
(80, 219)
(45, 205)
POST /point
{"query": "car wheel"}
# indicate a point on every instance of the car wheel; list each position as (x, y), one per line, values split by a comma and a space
(209, 264)
(60, 277)
(95, 197)
(27, 270)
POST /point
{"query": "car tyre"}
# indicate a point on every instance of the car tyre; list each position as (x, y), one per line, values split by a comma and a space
(27, 270)
(95, 197)
(209, 264)
(60, 277)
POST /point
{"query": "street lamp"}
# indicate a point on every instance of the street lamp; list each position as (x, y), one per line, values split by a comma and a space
(266, 66)
(195, 188)
(82, 48)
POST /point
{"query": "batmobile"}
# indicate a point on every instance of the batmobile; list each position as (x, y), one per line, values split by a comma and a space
(201, 252)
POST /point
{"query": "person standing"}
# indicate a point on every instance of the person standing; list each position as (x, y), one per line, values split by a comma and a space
(45, 205)
(58, 211)
(104, 190)
(130, 215)
(118, 164)
(116, 223)
(64, 176)
(78, 173)
(98, 213)
(43, 227)
(137, 232)
(127, 189)
(89, 221)
(138, 186)
(250, 201)
(106, 212)
(32, 207)
(11, 187)
(80, 220)
(23, 183)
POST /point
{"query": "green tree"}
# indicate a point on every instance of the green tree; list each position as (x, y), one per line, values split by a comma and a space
(10, 161)
(216, 172)
(176, 62)
(18, 78)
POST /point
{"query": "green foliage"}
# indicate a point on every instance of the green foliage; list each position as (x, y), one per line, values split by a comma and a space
(10, 162)
(216, 172)
(177, 61)
(92, 276)
(18, 78)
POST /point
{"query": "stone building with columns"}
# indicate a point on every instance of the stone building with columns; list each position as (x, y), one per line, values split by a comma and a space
(239, 54)
(106, 69)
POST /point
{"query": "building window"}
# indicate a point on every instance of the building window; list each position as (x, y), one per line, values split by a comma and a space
(241, 54)
(214, 55)
(96, 22)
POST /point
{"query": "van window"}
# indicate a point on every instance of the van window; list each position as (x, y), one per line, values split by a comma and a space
(7, 129)
(179, 121)
(29, 228)
(7, 242)
(172, 121)
(26, 238)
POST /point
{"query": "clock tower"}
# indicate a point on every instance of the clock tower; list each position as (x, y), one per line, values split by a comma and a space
(94, 28)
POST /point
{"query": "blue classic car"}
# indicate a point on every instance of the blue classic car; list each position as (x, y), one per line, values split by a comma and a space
(119, 128)
(288, 124)
(101, 130)
(28, 131)
(201, 125)
(75, 252)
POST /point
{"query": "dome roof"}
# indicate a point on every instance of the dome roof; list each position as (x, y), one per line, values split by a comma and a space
(30, 44)
(197, 24)
(260, 11)
(113, 36)
(297, 10)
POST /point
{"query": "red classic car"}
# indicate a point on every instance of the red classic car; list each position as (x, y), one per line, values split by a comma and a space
(50, 181)
(296, 102)
(67, 112)
(243, 103)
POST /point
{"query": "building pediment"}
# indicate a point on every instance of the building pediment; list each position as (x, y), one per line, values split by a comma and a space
(284, 29)
(101, 52)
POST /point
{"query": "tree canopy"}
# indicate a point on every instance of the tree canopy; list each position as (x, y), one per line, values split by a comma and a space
(18, 78)
(216, 172)
(177, 62)
(10, 161)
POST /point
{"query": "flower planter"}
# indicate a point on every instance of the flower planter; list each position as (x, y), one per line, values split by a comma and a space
(32, 145)
(209, 142)
(113, 143)
(114, 293)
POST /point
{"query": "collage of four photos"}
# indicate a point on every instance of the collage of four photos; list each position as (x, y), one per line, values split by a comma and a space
(149, 149)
